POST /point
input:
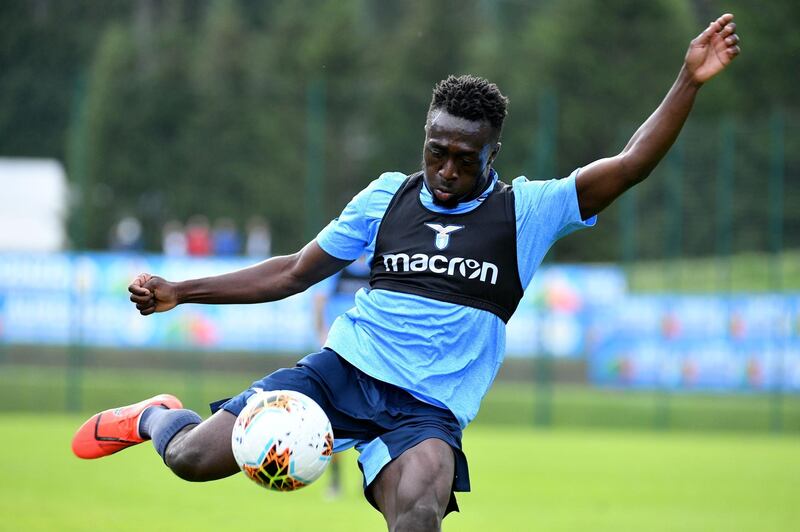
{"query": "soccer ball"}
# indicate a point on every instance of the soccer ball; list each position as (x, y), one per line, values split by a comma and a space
(282, 440)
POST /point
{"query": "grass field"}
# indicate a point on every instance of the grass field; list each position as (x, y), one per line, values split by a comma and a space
(742, 272)
(602, 467)
(522, 479)
(22, 388)
(612, 461)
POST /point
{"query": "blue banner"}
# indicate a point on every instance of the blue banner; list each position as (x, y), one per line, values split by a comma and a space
(83, 299)
(553, 317)
(747, 342)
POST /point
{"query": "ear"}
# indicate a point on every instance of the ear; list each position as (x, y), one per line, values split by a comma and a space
(495, 151)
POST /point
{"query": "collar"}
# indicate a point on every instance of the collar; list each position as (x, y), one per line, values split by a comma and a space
(427, 198)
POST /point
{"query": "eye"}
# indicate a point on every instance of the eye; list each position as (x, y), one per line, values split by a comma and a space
(435, 151)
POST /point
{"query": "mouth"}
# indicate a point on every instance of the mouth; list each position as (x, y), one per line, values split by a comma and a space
(444, 197)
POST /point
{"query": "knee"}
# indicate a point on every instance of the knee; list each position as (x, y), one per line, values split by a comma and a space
(186, 461)
(419, 517)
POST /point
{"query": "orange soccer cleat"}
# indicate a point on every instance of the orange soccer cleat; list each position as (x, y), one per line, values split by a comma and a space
(115, 429)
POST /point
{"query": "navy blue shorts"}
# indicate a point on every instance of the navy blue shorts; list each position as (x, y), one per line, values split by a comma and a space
(379, 419)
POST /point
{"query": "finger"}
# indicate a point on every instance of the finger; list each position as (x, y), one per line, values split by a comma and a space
(733, 51)
(732, 40)
(142, 299)
(145, 307)
(706, 35)
(715, 26)
(729, 29)
(139, 290)
(139, 281)
(723, 20)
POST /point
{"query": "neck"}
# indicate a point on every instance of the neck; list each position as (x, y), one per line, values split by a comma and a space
(480, 186)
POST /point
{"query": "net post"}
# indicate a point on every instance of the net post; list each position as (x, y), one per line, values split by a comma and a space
(775, 195)
(78, 156)
(545, 168)
(315, 155)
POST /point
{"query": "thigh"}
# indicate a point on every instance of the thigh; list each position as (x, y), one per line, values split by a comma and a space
(303, 378)
(421, 476)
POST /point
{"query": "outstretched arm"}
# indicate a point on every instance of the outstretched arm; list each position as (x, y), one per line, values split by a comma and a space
(273, 279)
(601, 182)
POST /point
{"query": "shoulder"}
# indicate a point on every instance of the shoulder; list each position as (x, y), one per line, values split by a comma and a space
(536, 193)
(377, 195)
(387, 182)
(528, 186)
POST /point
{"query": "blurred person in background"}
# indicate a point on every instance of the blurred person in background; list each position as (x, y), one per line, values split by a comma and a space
(126, 235)
(198, 236)
(225, 238)
(173, 239)
(403, 372)
(259, 238)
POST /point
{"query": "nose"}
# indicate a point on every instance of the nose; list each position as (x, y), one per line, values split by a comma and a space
(447, 171)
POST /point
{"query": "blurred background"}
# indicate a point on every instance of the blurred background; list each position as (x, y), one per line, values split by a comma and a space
(187, 138)
(652, 375)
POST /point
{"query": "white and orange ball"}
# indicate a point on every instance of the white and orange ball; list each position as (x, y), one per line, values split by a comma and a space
(282, 440)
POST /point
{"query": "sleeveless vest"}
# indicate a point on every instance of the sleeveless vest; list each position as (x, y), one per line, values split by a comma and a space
(468, 259)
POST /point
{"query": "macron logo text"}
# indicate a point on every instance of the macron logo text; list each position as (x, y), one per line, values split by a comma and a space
(420, 262)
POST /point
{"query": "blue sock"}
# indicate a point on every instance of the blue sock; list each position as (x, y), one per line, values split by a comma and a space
(162, 424)
(145, 423)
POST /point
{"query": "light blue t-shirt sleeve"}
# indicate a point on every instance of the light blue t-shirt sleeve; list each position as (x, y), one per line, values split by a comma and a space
(546, 211)
(353, 233)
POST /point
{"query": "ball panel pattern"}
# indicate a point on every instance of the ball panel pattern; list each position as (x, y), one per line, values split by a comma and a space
(282, 440)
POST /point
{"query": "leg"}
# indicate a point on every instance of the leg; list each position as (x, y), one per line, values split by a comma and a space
(412, 491)
(195, 450)
(199, 453)
(335, 473)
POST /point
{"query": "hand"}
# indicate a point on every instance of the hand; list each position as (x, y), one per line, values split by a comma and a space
(713, 50)
(152, 294)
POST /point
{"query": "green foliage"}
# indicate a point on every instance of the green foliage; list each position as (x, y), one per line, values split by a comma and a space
(203, 106)
(44, 47)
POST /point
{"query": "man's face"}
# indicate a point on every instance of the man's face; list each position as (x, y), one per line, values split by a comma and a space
(457, 154)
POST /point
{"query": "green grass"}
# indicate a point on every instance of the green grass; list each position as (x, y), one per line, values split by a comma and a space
(721, 470)
(743, 272)
(523, 479)
(582, 406)
(42, 389)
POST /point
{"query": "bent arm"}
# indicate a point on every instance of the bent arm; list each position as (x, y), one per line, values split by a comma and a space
(270, 280)
(273, 279)
(601, 182)
(604, 180)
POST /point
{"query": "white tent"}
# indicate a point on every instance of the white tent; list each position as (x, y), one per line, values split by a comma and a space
(33, 209)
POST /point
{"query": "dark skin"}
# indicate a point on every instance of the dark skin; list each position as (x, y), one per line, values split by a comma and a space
(412, 491)
(457, 156)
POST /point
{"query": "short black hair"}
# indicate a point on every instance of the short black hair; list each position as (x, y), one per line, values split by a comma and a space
(471, 98)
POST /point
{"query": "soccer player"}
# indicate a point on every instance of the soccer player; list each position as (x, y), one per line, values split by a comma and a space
(452, 249)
